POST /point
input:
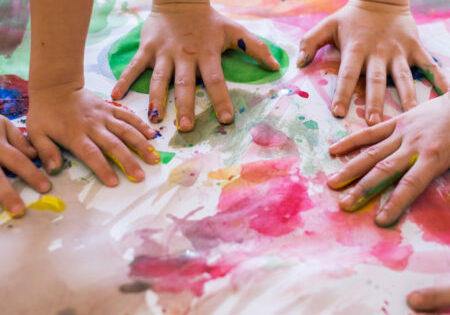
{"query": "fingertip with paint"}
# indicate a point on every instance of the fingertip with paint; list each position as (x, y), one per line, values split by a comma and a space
(226, 118)
(115, 94)
(16, 211)
(339, 110)
(374, 118)
(303, 59)
(156, 157)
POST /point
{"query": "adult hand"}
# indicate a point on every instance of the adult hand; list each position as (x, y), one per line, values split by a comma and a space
(15, 155)
(375, 37)
(414, 148)
(188, 39)
(86, 125)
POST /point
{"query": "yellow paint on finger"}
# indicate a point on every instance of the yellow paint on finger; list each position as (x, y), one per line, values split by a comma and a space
(48, 203)
(165, 98)
(120, 165)
(413, 159)
(346, 182)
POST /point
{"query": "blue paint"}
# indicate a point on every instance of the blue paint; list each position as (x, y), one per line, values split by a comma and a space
(242, 110)
(157, 135)
(153, 113)
(417, 74)
(37, 162)
(12, 103)
(241, 44)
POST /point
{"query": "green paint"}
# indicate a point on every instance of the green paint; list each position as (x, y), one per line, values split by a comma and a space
(311, 124)
(100, 14)
(19, 61)
(376, 190)
(430, 77)
(166, 157)
(200, 94)
(237, 66)
(301, 117)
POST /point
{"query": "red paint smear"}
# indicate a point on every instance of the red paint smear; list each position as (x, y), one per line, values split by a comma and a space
(260, 171)
(177, 274)
(119, 105)
(302, 93)
(431, 212)
(265, 135)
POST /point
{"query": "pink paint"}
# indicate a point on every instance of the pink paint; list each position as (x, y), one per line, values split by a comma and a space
(431, 211)
(302, 93)
(360, 101)
(177, 274)
(265, 135)
(322, 82)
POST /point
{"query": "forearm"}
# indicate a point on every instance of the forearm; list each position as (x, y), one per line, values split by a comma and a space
(58, 36)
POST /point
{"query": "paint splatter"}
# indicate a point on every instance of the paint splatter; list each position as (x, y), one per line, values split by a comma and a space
(49, 203)
(166, 157)
(13, 96)
(311, 124)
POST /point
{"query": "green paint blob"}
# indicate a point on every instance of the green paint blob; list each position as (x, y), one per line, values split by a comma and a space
(311, 124)
(166, 157)
(430, 77)
(236, 65)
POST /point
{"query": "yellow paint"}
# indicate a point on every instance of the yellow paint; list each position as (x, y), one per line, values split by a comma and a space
(4, 217)
(48, 203)
(357, 208)
(149, 148)
(413, 159)
(165, 98)
(346, 182)
(225, 173)
(176, 119)
(120, 165)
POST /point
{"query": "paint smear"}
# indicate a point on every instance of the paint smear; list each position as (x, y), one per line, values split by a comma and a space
(49, 203)
(166, 157)
(13, 96)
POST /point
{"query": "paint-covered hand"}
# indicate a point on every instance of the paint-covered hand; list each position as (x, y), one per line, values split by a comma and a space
(15, 155)
(187, 40)
(376, 38)
(414, 148)
(430, 300)
(90, 128)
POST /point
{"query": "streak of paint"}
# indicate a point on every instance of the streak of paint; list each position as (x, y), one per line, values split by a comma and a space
(265, 135)
(13, 96)
(48, 203)
(120, 165)
(166, 157)
(302, 93)
(430, 77)
(311, 124)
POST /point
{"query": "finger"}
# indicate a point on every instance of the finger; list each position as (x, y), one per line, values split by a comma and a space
(134, 140)
(162, 73)
(211, 71)
(135, 121)
(19, 164)
(349, 72)
(9, 198)
(18, 140)
(409, 188)
(253, 46)
(134, 69)
(375, 89)
(314, 39)
(431, 70)
(88, 152)
(404, 82)
(116, 151)
(363, 137)
(363, 163)
(185, 94)
(48, 152)
(385, 173)
(431, 299)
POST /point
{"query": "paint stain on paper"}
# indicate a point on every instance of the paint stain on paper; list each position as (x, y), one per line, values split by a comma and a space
(13, 96)
(49, 203)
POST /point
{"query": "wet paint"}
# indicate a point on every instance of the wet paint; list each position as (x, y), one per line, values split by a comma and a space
(13, 96)
(120, 165)
(413, 159)
(49, 203)
(346, 182)
(241, 44)
(430, 77)
(374, 191)
(166, 157)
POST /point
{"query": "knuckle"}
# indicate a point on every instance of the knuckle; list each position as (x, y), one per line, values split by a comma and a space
(404, 74)
(89, 150)
(159, 76)
(385, 167)
(214, 79)
(376, 77)
(184, 81)
(433, 152)
(412, 182)
(348, 73)
(356, 49)
(372, 154)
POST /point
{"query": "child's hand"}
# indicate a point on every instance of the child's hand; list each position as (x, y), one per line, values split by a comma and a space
(377, 38)
(188, 40)
(15, 155)
(430, 300)
(87, 126)
(416, 143)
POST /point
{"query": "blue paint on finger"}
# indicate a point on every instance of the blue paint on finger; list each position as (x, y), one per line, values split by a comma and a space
(241, 44)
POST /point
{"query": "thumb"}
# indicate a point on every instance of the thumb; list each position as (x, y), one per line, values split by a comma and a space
(315, 38)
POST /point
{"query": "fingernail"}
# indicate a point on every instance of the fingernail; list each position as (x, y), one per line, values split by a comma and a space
(45, 187)
(414, 298)
(156, 158)
(139, 175)
(332, 177)
(115, 94)
(51, 167)
(347, 202)
(374, 118)
(276, 64)
(113, 180)
(339, 110)
(16, 211)
(185, 123)
(226, 118)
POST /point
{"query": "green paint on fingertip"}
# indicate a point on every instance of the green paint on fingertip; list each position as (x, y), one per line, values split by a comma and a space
(166, 157)
(430, 77)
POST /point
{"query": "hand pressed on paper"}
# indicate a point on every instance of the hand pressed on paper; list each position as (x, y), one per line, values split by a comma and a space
(15, 155)
(430, 299)
(187, 39)
(375, 38)
(89, 127)
(413, 148)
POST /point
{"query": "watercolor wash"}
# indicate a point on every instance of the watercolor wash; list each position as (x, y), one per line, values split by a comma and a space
(235, 216)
